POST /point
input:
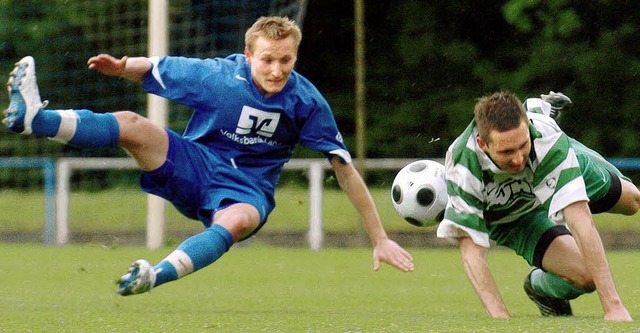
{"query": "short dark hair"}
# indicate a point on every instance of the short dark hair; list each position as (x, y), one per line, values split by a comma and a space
(500, 111)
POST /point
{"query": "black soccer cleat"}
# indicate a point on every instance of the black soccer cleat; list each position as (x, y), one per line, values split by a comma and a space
(549, 306)
(558, 102)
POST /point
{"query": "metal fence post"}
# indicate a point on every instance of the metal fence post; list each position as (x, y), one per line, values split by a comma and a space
(316, 174)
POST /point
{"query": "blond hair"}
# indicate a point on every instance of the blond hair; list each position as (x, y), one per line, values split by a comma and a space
(272, 27)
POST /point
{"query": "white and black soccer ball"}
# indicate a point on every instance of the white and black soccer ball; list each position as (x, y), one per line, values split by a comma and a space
(419, 193)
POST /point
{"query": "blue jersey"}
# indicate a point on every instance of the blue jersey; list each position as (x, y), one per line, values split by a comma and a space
(237, 140)
(253, 133)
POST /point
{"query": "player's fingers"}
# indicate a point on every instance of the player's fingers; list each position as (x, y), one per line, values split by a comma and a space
(407, 255)
(406, 263)
(376, 263)
(400, 261)
(91, 62)
(403, 259)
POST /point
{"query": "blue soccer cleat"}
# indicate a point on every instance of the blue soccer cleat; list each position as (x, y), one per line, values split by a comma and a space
(139, 279)
(24, 97)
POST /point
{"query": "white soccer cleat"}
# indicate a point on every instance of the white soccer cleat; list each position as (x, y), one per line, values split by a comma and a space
(24, 97)
(139, 279)
(557, 100)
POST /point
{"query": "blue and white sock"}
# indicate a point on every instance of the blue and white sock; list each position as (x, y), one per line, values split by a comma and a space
(79, 128)
(193, 254)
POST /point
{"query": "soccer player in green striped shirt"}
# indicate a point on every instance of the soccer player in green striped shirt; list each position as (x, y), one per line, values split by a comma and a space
(514, 178)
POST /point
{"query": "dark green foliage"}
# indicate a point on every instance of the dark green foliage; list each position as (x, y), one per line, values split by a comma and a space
(429, 60)
(427, 63)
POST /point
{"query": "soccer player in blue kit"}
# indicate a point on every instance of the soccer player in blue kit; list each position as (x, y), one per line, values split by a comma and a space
(249, 111)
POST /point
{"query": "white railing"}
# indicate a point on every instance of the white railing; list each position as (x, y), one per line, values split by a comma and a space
(315, 172)
(56, 226)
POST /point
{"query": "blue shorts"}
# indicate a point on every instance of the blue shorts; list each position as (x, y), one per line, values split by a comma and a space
(198, 181)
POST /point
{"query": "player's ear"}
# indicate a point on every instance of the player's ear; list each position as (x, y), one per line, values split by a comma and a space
(481, 143)
(247, 54)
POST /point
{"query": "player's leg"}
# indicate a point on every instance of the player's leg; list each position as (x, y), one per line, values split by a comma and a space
(559, 274)
(550, 104)
(558, 101)
(231, 224)
(542, 243)
(202, 186)
(629, 202)
(608, 189)
(26, 115)
(146, 142)
(566, 275)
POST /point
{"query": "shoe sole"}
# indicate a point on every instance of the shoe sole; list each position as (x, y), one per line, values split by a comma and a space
(17, 120)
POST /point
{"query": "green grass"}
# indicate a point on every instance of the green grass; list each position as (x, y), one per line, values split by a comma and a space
(267, 289)
(125, 210)
(257, 288)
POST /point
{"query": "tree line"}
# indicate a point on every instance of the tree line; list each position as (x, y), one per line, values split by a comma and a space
(427, 63)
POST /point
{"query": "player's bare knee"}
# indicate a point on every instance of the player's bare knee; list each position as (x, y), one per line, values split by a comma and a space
(131, 127)
(630, 207)
(126, 117)
(240, 227)
(633, 208)
(635, 204)
(630, 200)
(238, 220)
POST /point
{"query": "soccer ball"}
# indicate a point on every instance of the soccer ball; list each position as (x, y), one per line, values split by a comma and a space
(419, 193)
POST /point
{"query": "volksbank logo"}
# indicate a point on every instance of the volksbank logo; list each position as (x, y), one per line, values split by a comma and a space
(258, 122)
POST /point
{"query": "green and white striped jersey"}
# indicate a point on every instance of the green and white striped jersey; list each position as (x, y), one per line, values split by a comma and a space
(481, 194)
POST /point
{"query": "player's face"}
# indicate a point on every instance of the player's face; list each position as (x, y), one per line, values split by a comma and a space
(509, 150)
(271, 63)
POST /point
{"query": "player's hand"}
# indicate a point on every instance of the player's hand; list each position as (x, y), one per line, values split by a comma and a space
(618, 315)
(390, 252)
(107, 64)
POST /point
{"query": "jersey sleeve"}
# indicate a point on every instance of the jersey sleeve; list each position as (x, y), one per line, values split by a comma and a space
(320, 132)
(464, 213)
(187, 81)
(558, 179)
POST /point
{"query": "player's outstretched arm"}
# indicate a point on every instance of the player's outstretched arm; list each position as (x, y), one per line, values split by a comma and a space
(384, 249)
(132, 69)
(474, 258)
(580, 221)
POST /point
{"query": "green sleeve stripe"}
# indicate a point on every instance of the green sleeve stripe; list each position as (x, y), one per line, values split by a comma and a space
(470, 161)
(468, 220)
(470, 199)
(459, 146)
(555, 157)
(568, 175)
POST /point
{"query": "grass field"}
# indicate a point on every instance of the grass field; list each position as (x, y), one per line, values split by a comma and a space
(121, 210)
(258, 288)
(267, 289)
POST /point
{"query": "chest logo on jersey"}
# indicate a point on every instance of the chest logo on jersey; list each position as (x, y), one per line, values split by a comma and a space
(509, 192)
(258, 122)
